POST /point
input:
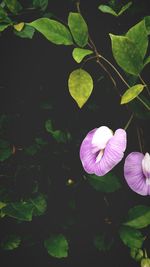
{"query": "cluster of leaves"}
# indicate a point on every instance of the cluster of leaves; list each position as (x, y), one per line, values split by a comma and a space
(130, 52)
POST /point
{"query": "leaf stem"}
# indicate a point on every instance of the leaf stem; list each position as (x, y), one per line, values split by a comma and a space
(141, 79)
(129, 121)
(141, 100)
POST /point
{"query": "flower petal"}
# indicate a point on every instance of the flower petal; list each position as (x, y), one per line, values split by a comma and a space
(113, 153)
(101, 137)
(87, 154)
(146, 165)
(134, 174)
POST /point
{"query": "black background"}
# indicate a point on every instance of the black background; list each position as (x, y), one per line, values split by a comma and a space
(32, 71)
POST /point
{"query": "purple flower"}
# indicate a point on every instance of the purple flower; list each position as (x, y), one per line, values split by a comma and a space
(137, 172)
(101, 150)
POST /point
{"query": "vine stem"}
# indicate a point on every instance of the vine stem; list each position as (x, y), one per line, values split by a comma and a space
(139, 140)
(129, 121)
(144, 84)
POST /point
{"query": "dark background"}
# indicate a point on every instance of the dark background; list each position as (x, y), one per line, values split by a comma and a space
(33, 71)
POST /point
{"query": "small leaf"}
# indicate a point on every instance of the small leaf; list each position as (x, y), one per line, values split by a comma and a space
(131, 93)
(19, 210)
(57, 246)
(136, 254)
(131, 237)
(102, 242)
(147, 61)
(49, 126)
(2, 205)
(32, 150)
(4, 26)
(53, 30)
(14, 6)
(5, 150)
(138, 35)
(107, 183)
(107, 9)
(79, 53)
(39, 205)
(147, 24)
(3, 14)
(80, 86)
(18, 27)
(42, 4)
(26, 32)
(124, 8)
(126, 54)
(11, 242)
(59, 136)
(78, 28)
(138, 217)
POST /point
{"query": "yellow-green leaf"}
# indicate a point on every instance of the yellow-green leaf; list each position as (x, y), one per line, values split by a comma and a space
(18, 27)
(131, 93)
(79, 53)
(80, 86)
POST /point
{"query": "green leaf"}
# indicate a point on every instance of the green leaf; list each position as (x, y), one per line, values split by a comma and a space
(26, 32)
(80, 86)
(59, 136)
(4, 26)
(39, 205)
(3, 14)
(107, 183)
(78, 28)
(40, 141)
(131, 93)
(147, 24)
(42, 4)
(145, 262)
(49, 126)
(32, 150)
(138, 217)
(126, 54)
(139, 109)
(19, 210)
(5, 150)
(107, 9)
(53, 30)
(14, 6)
(79, 53)
(136, 254)
(124, 8)
(11, 242)
(146, 61)
(57, 246)
(102, 242)
(131, 237)
(138, 35)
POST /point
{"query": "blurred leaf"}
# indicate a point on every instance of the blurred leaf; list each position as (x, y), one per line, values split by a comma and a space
(13, 5)
(139, 109)
(136, 254)
(46, 105)
(107, 183)
(124, 8)
(3, 14)
(78, 28)
(138, 35)
(40, 141)
(126, 54)
(5, 150)
(147, 24)
(39, 204)
(79, 53)
(32, 150)
(19, 210)
(145, 262)
(59, 136)
(42, 4)
(110, 10)
(4, 26)
(131, 93)
(2, 205)
(102, 242)
(138, 217)
(147, 61)
(131, 237)
(26, 32)
(57, 246)
(18, 27)
(107, 9)
(80, 86)
(11, 242)
(53, 30)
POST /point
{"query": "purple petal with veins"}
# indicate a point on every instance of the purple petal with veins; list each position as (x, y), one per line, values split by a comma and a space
(100, 150)
(135, 168)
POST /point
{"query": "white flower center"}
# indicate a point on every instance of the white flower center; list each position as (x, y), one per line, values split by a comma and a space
(100, 139)
(146, 166)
